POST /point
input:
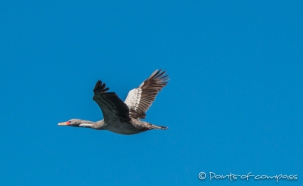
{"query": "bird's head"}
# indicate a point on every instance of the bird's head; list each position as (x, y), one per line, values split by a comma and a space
(76, 123)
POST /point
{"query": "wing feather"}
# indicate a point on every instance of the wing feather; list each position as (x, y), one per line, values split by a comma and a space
(111, 105)
(140, 99)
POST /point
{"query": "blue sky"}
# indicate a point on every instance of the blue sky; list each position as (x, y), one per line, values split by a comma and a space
(233, 104)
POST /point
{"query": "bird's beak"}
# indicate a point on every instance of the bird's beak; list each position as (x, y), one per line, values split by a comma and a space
(62, 124)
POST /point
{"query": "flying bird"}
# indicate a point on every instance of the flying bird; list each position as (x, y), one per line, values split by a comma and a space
(125, 117)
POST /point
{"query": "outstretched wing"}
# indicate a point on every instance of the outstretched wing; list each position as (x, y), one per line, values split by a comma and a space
(112, 106)
(140, 99)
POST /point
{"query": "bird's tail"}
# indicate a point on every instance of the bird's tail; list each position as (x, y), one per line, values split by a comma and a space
(158, 127)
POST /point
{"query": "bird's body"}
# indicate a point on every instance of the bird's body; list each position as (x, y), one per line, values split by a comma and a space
(124, 117)
(122, 127)
(131, 127)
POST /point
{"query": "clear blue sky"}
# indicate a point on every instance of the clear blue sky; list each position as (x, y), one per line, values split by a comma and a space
(234, 102)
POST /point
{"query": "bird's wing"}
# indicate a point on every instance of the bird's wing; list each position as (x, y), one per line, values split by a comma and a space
(112, 106)
(140, 99)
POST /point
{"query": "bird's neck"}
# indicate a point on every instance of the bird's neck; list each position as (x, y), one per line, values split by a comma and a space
(99, 125)
(87, 124)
